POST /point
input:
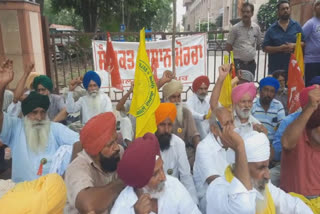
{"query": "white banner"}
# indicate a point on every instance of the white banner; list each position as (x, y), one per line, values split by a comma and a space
(190, 58)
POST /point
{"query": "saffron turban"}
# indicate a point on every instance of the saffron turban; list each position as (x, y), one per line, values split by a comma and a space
(199, 81)
(138, 161)
(43, 80)
(30, 79)
(314, 120)
(171, 87)
(269, 81)
(242, 89)
(47, 194)
(34, 100)
(91, 75)
(315, 81)
(97, 132)
(257, 148)
(164, 111)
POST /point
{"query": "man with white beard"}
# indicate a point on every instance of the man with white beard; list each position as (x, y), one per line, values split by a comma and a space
(33, 140)
(245, 187)
(148, 189)
(184, 126)
(92, 104)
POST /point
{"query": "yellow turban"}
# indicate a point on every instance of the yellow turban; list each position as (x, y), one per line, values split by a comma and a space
(164, 111)
(30, 79)
(171, 87)
(46, 194)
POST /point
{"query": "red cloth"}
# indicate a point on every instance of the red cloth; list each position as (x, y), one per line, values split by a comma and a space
(138, 161)
(242, 89)
(198, 82)
(303, 97)
(164, 111)
(300, 168)
(97, 132)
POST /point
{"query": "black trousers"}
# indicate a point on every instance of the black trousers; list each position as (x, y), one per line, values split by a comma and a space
(249, 66)
(311, 70)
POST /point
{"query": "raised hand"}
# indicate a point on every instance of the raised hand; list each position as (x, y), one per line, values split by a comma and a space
(230, 138)
(314, 98)
(74, 83)
(143, 205)
(6, 73)
(223, 71)
(167, 76)
(29, 68)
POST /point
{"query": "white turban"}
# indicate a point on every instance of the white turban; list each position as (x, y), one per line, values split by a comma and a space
(257, 148)
(171, 87)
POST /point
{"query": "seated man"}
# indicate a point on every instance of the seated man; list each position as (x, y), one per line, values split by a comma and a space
(266, 109)
(92, 104)
(92, 183)
(173, 151)
(33, 140)
(199, 105)
(211, 157)
(245, 187)
(148, 189)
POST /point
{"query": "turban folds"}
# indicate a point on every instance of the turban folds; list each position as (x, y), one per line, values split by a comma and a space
(171, 88)
(247, 76)
(138, 161)
(269, 81)
(257, 148)
(47, 194)
(97, 132)
(199, 81)
(164, 111)
(91, 75)
(43, 80)
(242, 89)
(34, 100)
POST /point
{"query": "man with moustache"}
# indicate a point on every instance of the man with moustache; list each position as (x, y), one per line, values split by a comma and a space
(92, 104)
(199, 105)
(91, 178)
(245, 187)
(266, 109)
(173, 151)
(33, 140)
(279, 41)
(148, 189)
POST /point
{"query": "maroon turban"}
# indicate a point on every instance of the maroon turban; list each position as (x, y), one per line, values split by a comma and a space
(303, 96)
(138, 161)
(242, 89)
(198, 82)
(314, 120)
(98, 132)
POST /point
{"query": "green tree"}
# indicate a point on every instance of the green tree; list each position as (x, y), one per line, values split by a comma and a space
(267, 14)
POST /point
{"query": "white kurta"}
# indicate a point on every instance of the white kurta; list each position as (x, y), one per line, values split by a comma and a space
(210, 160)
(245, 128)
(198, 110)
(175, 200)
(82, 105)
(234, 198)
(175, 163)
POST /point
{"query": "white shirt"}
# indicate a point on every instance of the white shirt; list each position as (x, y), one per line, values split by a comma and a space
(198, 110)
(175, 163)
(210, 160)
(82, 104)
(234, 198)
(247, 127)
(175, 200)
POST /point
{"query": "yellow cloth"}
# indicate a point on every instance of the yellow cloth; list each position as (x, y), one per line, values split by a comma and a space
(208, 115)
(314, 204)
(145, 99)
(225, 94)
(299, 54)
(270, 209)
(47, 194)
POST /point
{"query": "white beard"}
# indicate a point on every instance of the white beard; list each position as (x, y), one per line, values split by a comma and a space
(156, 194)
(94, 102)
(241, 113)
(179, 117)
(37, 134)
(261, 203)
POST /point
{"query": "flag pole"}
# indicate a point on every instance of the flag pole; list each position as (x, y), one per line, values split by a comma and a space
(174, 37)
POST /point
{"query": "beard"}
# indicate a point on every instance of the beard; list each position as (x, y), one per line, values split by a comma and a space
(164, 141)
(260, 186)
(94, 102)
(37, 134)
(243, 113)
(109, 164)
(202, 96)
(285, 17)
(155, 193)
(265, 100)
(179, 116)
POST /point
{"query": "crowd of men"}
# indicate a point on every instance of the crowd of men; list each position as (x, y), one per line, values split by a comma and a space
(70, 155)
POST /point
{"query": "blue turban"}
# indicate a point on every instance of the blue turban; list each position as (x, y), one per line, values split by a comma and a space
(315, 81)
(91, 75)
(269, 81)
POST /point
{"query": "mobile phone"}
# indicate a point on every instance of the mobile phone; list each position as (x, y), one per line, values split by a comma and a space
(219, 124)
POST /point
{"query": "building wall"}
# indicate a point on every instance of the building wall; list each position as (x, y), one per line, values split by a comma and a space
(301, 10)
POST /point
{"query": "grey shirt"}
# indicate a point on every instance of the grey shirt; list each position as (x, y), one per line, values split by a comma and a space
(244, 40)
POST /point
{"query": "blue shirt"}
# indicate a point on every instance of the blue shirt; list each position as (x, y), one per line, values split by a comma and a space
(25, 163)
(277, 136)
(270, 119)
(276, 36)
(311, 30)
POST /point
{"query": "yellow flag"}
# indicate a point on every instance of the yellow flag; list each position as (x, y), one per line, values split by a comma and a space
(299, 54)
(145, 99)
(225, 94)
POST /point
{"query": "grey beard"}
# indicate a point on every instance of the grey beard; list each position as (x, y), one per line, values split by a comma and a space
(201, 97)
(157, 193)
(241, 113)
(179, 117)
(94, 102)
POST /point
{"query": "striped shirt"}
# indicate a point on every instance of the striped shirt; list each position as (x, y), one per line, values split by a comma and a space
(270, 118)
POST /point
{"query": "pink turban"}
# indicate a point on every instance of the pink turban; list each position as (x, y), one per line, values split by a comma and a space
(198, 82)
(245, 88)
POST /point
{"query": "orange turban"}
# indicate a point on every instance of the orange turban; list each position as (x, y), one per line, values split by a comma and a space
(198, 82)
(164, 111)
(47, 194)
(97, 132)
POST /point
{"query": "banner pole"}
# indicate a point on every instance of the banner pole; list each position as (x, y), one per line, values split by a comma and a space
(174, 37)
